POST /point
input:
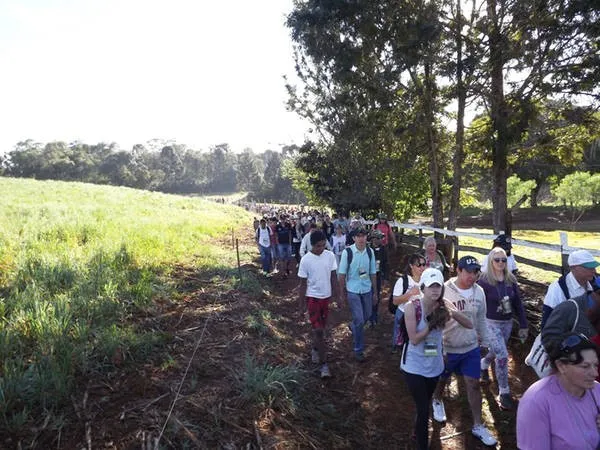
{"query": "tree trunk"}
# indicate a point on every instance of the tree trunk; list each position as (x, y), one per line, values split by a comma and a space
(499, 116)
(434, 171)
(534, 193)
(461, 94)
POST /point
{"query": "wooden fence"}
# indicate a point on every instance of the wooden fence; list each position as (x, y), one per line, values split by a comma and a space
(450, 245)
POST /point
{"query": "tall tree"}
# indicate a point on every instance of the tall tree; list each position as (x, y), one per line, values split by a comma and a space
(535, 49)
(364, 66)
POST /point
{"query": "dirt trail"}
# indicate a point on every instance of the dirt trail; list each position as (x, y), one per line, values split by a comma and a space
(380, 393)
(363, 406)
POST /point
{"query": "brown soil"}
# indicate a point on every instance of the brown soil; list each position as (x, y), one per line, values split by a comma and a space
(363, 406)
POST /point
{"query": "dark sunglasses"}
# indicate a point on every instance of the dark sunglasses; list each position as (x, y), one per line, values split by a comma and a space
(570, 342)
(420, 264)
(473, 271)
(500, 260)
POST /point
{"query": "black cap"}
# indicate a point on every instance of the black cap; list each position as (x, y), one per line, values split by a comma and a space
(468, 263)
(504, 241)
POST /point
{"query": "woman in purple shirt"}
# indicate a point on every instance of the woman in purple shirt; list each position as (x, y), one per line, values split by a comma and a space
(503, 299)
(560, 412)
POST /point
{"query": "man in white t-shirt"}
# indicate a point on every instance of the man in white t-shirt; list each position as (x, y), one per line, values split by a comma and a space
(582, 268)
(318, 284)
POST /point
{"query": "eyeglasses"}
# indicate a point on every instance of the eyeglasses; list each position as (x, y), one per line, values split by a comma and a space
(500, 260)
(570, 342)
(473, 271)
(421, 264)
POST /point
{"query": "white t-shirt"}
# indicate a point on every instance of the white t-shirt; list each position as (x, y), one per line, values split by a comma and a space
(555, 296)
(399, 287)
(339, 243)
(317, 271)
(264, 236)
(511, 263)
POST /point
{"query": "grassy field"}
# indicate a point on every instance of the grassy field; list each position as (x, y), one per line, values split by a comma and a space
(77, 261)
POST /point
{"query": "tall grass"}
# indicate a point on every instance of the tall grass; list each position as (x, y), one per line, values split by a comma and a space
(76, 262)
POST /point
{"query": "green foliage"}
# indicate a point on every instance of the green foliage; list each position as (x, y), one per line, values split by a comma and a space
(259, 322)
(266, 386)
(160, 166)
(594, 186)
(516, 189)
(369, 91)
(77, 262)
(576, 191)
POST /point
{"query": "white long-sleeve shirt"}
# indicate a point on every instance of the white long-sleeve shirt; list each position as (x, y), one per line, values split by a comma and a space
(306, 246)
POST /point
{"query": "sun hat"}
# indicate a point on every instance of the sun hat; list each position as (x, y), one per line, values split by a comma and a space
(582, 258)
(432, 276)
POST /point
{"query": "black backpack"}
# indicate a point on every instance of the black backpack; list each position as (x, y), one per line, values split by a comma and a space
(391, 307)
(562, 282)
(350, 254)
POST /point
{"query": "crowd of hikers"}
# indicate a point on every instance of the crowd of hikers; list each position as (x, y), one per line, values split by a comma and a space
(446, 325)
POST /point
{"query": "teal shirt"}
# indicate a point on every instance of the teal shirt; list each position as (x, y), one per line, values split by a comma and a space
(356, 283)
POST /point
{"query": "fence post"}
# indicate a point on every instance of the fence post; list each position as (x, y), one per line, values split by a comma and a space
(237, 251)
(455, 255)
(564, 242)
(232, 238)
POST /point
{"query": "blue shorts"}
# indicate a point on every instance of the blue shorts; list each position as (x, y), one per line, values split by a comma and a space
(467, 364)
(284, 251)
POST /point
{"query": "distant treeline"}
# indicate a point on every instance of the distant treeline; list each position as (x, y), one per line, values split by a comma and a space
(158, 166)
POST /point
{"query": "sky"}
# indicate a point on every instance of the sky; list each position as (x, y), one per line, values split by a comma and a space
(200, 72)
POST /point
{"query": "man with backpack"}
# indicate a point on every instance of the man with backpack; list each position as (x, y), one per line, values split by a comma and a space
(263, 240)
(582, 268)
(357, 278)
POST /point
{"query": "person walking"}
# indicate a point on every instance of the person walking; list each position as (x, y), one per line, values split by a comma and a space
(462, 343)
(405, 289)
(382, 268)
(357, 278)
(582, 268)
(263, 241)
(318, 285)
(422, 359)
(503, 301)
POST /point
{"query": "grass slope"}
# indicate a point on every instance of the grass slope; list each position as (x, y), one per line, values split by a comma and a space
(77, 261)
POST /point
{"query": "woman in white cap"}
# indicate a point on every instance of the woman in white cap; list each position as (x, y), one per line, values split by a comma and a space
(422, 358)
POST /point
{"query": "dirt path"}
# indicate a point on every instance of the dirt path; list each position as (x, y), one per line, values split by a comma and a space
(379, 393)
(192, 397)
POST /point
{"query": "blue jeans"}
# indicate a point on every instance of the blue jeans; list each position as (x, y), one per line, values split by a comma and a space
(265, 257)
(284, 252)
(361, 306)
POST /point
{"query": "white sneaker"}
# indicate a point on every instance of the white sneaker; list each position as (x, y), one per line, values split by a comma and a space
(314, 354)
(325, 373)
(439, 412)
(481, 432)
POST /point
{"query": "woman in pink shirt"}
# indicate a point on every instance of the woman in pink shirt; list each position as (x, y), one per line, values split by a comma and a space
(562, 410)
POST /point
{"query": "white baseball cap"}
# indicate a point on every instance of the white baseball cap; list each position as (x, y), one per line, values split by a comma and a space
(582, 258)
(432, 276)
